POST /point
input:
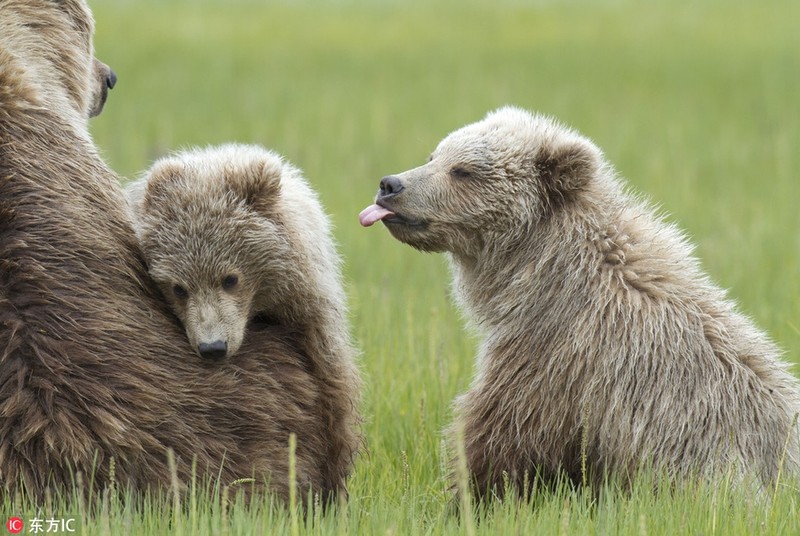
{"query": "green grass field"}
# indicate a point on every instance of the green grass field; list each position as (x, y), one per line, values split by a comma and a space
(695, 103)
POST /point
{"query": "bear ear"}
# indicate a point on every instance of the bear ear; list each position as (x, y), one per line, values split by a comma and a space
(566, 168)
(258, 184)
(160, 178)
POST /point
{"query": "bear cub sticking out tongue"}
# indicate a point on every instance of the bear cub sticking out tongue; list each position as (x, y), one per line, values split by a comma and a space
(373, 214)
(605, 348)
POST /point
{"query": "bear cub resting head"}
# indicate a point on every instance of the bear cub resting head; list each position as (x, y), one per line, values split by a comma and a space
(214, 233)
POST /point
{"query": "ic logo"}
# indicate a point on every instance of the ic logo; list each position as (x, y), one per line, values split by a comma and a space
(14, 525)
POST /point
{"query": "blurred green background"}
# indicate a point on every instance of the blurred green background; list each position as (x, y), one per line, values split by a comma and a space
(695, 103)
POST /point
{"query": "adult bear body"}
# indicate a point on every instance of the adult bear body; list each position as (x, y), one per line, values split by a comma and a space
(93, 366)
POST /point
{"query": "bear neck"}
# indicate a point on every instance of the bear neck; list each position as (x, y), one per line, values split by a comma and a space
(26, 87)
(313, 302)
(524, 275)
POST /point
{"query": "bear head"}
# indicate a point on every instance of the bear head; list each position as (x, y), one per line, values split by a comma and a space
(48, 44)
(487, 181)
(212, 238)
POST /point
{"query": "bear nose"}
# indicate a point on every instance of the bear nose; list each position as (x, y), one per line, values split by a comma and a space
(213, 350)
(111, 79)
(391, 186)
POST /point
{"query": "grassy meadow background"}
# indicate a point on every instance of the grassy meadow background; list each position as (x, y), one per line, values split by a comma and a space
(695, 103)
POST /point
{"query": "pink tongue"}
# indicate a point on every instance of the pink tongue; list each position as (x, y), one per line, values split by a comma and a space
(373, 213)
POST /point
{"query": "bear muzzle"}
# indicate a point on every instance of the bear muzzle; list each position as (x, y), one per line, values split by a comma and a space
(106, 79)
(213, 351)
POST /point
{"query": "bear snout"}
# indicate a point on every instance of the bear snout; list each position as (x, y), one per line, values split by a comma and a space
(390, 186)
(213, 351)
(106, 79)
(111, 79)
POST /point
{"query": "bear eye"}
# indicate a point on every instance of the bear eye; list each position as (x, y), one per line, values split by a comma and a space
(230, 281)
(461, 173)
(180, 292)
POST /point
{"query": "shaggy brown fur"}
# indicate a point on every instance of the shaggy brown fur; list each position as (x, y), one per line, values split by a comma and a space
(93, 365)
(233, 233)
(600, 332)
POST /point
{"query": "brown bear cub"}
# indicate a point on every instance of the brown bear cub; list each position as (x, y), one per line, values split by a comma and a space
(234, 235)
(603, 340)
(233, 232)
(97, 381)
